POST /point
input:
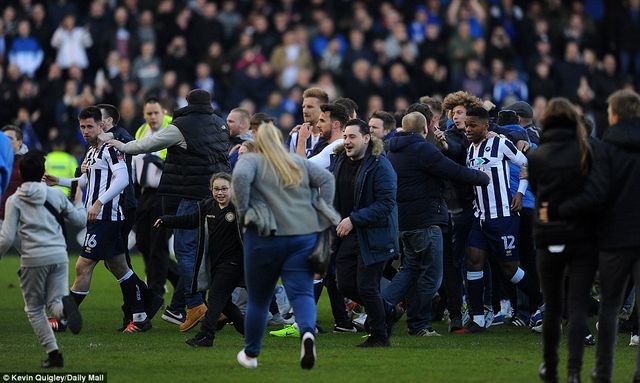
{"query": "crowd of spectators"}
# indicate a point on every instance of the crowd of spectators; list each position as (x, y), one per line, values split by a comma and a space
(59, 56)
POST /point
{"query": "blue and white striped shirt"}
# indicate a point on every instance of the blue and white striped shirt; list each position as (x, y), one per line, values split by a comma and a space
(490, 156)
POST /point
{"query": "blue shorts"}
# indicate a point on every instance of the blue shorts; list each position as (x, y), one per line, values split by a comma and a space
(497, 236)
(103, 240)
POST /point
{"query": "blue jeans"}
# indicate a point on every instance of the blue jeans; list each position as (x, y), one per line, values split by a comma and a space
(420, 276)
(265, 260)
(186, 246)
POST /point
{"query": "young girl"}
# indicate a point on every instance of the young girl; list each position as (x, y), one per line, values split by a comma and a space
(219, 264)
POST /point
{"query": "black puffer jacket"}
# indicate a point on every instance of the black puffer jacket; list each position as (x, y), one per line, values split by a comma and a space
(612, 189)
(554, 177)
(187, 171)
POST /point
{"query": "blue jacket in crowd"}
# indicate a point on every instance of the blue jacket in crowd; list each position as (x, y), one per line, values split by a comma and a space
(6, 162)
(375, 215)
(422, 169)
(528, 200)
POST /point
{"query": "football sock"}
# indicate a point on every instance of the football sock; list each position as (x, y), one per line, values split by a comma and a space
(475, 290)
(131, 293)
(528, 286)
(78, 296)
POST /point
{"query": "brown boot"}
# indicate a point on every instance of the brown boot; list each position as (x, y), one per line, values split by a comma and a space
(194, 315)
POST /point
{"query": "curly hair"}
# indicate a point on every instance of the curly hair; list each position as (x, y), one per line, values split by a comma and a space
(461, 98)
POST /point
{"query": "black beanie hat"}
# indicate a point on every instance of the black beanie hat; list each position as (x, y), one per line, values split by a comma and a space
(199, 96)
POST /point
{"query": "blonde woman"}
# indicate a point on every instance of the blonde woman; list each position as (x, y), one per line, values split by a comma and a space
(273, 192)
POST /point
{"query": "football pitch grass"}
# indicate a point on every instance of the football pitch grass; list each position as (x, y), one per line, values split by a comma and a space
(503, 354)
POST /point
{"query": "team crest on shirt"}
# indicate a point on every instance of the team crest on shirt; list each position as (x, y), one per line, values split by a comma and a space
(479, 161)
(230, 217)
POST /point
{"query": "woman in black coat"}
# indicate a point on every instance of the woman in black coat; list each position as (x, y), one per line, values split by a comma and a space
(566, 248)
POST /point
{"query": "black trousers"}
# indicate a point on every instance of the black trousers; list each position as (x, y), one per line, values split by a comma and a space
(361, 283)
(224, 279)
(527, 254)
(616, 266)
(577, 263)
(152, 243)
(336, 299)
(453, 261)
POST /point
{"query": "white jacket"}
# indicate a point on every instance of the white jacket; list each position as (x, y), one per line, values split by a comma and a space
(71, 47)
(42, 241)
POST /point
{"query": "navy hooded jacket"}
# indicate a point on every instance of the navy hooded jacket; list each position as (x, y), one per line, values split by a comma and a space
(375, 215)
(422, 169)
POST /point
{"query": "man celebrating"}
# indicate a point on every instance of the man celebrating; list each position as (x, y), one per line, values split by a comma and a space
(368, 234)
(197, 143)
(421, 169)
(495, 227)
(104, 181)
(332, 119)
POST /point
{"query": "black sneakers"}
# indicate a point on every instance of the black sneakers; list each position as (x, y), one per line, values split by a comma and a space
(546, 375)
(200, 340)
(374, 341)
(472, 328)
(54, 360)
(173, 316)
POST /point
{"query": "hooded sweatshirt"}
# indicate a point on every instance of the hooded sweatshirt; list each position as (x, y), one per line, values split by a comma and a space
(42, 241)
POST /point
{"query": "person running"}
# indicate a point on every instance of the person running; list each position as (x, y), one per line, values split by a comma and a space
(272, 192)
(37, 214)
(220, 250)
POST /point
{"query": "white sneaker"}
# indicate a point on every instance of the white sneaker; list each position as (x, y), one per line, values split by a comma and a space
(359, 321)
(308, 351)
(426, 332)
(488, 316)
(465, 316)
(635, 341)
(245, 361)
(537, 329)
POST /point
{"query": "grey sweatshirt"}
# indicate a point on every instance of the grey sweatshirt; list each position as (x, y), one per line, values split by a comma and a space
(41, 236)
(290, 210)
(165, 138)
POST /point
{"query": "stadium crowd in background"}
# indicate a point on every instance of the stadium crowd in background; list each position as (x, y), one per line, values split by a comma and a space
(57, 57)
(407, 103)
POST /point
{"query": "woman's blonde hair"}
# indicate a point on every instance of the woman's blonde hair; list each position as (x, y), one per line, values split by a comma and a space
(269, 145)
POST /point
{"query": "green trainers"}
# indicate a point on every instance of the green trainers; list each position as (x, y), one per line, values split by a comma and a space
(288, 331)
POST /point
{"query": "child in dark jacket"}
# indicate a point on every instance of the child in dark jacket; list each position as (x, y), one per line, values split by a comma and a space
(219, 260)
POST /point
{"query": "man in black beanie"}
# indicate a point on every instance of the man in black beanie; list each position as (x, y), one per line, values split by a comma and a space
(198, 142)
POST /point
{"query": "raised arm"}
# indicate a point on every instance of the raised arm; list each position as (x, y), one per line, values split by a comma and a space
(167, 137)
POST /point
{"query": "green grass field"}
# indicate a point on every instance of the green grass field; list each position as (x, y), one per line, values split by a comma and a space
(504, 354)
